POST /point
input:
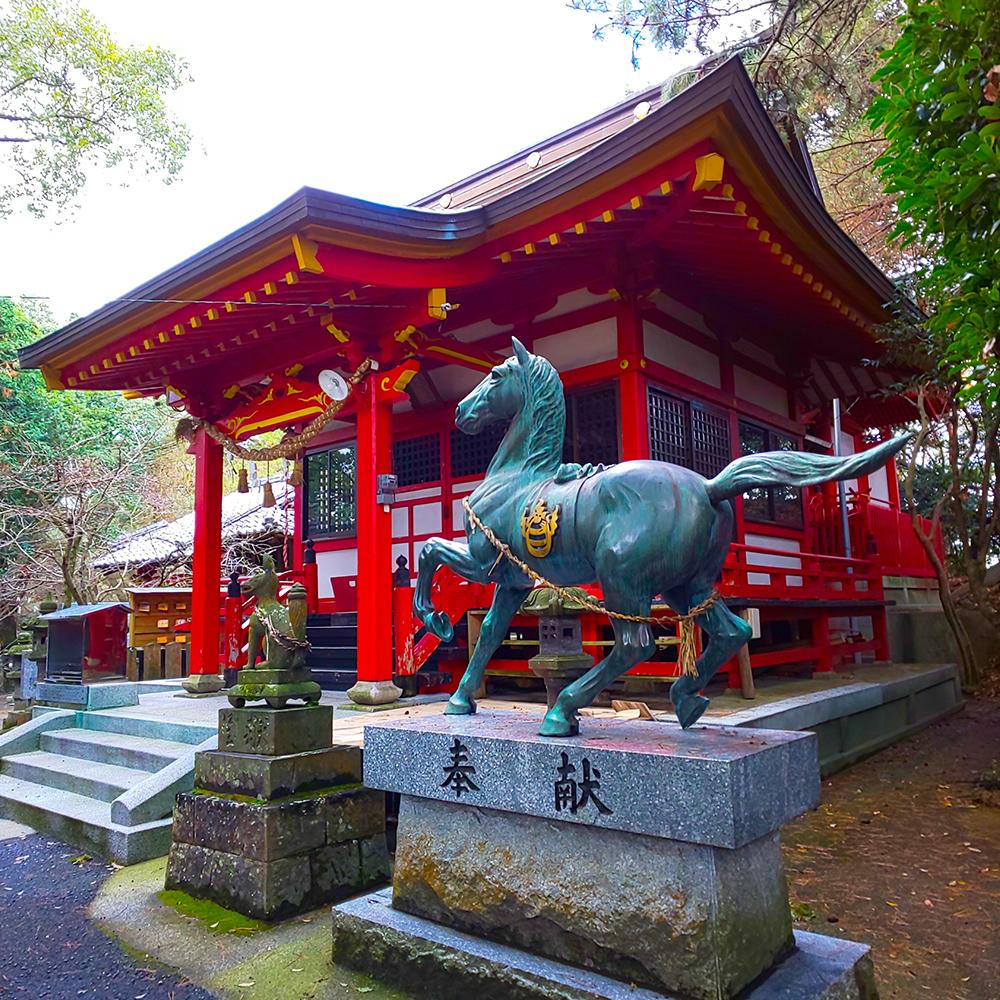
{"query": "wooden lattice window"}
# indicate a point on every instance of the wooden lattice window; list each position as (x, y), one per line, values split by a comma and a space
(687, 433)
(777, 504)
(592, 426)
(668, 428)
(417, 460)
(329, 509)
(711, 449)
(471, 454)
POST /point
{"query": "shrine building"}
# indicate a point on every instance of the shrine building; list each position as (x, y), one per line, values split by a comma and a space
(672, 258)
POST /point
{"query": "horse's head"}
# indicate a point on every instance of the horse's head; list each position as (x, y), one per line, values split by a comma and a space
(499, 396)
(263, 583)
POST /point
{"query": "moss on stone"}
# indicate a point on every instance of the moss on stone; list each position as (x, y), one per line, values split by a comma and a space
(301, 969)
(216, 919)
(315, 793)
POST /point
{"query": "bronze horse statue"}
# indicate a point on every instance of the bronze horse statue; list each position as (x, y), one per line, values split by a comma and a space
(639, 529)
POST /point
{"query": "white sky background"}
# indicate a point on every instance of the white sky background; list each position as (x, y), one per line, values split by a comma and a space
(385, 101)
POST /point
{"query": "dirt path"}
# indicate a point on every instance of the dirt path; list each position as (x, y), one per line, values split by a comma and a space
(904, 854)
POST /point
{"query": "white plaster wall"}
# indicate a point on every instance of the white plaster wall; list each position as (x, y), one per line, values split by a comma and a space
(755, 351)
(760, 391)
(454, 382)
(847, 448)
(672, 351)
(791, 545)
(674, 308)
(878, 483)
(586, 345)
(339, 562)
(578, 299)
(476, 331)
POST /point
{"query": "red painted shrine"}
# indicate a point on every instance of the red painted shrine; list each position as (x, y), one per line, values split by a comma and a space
(674, 262)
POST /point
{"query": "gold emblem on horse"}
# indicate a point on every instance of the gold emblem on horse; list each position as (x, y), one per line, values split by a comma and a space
(538, 528)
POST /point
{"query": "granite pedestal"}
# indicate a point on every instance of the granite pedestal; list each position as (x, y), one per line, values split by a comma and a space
(278, 821)
(640, 852)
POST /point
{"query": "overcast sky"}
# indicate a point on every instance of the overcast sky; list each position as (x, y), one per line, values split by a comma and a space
(385, 101)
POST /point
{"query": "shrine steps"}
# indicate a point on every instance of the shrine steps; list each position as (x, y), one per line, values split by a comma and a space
(102, 781)
(333, 657)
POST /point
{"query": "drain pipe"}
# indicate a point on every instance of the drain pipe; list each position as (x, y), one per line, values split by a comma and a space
(841, 487)
(842, 502)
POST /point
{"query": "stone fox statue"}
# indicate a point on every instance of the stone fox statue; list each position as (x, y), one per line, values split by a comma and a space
(277, 634)
(639, 529)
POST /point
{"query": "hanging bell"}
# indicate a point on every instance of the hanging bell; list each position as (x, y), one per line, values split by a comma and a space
(268, 500)
(243, 482)
(295, 479)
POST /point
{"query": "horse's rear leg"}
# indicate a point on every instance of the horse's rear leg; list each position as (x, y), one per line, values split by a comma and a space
(725, 633)
(633, 644)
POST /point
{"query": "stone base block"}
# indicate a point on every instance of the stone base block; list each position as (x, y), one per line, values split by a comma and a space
(268, 778)
(428, 960)
(699, 920)
(276, 731)
(272, 860)
(374, 692)
(202, 684)
(87, 697)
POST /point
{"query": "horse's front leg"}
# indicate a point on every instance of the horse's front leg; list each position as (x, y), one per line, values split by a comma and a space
(456, 556)
(506, 601)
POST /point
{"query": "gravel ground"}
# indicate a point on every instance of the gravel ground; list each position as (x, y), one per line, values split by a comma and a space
(48, 949)
(904, 854)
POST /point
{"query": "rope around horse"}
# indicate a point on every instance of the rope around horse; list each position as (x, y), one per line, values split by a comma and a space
(687, 651)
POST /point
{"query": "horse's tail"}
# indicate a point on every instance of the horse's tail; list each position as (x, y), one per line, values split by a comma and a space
(797, 468)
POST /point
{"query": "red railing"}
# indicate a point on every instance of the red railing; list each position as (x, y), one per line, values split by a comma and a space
(786, 574)
(878, 529)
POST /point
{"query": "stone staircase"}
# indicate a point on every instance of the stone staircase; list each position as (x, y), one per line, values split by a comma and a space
(102, 781)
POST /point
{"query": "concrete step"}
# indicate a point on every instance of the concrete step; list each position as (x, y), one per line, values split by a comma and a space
(156, 728)
(138, 752)
(81, 821)
(104, 782)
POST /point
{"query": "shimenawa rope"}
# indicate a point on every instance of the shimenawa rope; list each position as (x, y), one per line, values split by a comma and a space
(687, 651)
(291, 446)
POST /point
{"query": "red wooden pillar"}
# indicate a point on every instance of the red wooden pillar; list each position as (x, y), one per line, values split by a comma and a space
(375, 603)
(203, 670)
(632, 382)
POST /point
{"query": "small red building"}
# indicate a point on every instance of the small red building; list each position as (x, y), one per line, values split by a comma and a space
(671, 258)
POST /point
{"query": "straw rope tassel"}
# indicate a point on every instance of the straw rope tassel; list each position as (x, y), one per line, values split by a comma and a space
(291, 446)
(687, 650)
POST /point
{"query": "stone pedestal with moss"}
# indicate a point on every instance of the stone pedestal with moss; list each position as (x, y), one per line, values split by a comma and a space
(637, 860)
(278, 821)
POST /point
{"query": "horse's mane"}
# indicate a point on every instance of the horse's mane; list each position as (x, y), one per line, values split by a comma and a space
(545, 414)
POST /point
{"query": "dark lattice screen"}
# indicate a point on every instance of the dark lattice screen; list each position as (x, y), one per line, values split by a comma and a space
(417, 460)
(472, 453)
(592, 426)
(329, 481)
(668, 428)
(780, 504)
(711, 451)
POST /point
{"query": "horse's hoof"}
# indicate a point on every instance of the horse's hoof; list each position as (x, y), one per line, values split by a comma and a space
(556, 724)
(439, 624)
(690, 710)
(458, 704)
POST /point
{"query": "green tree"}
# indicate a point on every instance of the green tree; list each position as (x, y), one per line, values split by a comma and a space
(939, 111)
(74, 473)
(812, 63)
(72, 97)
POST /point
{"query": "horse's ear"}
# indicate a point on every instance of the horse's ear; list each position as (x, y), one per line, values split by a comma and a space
(521, 353)
(268, 563)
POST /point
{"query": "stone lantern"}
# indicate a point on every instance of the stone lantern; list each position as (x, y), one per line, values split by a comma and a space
(561, 659)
